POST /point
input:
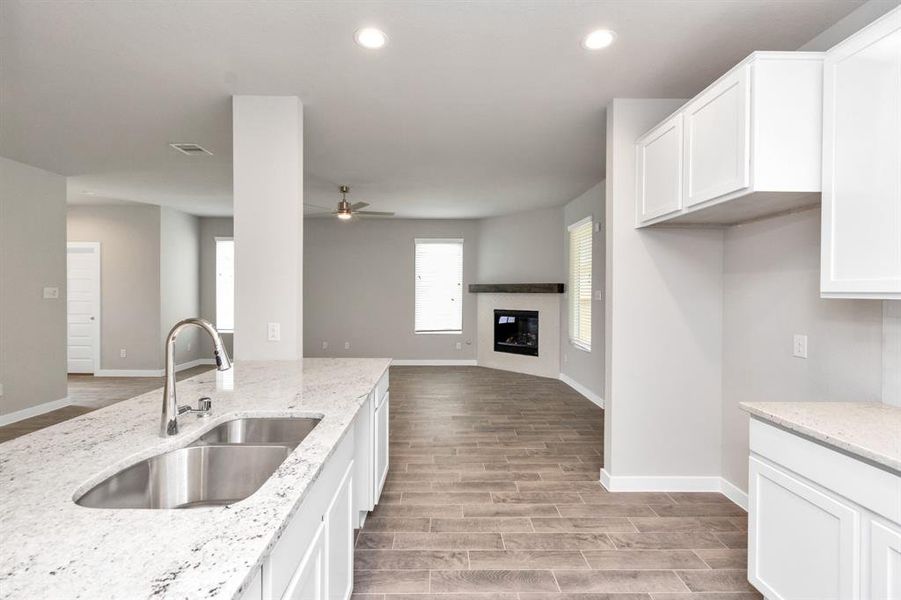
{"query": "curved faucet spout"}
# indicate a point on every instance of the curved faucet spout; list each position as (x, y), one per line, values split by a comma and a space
(169, 421)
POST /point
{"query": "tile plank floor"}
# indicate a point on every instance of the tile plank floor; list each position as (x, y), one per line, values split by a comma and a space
(493, 494)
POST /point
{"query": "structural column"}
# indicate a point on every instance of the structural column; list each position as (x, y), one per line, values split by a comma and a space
(267, 134)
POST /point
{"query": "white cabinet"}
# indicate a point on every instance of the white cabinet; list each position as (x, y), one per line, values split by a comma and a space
(339, 531)
(803, 543)
(308, 582)
(659, 163)
(717, 133)
(750, 146)
(381, 443)
(364, 460)
(821, 524)
(254, 590)
(885, 561)
(861, 218)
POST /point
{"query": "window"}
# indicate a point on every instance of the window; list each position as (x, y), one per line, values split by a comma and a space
(439, 286)
(225, 284)
(580, 284)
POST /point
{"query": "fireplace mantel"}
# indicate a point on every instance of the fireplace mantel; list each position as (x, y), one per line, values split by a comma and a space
(516, 288)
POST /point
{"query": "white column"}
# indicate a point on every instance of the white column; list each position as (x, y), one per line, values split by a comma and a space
(267, 134)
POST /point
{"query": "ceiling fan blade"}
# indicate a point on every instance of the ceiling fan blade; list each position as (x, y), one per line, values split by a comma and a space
(317, 206)
(358, 205)
(373, 213)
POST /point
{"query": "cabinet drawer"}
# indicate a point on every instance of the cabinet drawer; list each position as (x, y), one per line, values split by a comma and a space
(802, 541)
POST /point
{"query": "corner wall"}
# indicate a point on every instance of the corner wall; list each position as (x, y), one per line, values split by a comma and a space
(32, 256)
(524, 247)
(179, 282)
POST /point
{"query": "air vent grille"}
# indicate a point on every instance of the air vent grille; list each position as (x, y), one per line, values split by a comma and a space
(191, 149)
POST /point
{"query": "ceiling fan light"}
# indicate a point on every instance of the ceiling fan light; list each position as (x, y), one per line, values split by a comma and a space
(344, 216)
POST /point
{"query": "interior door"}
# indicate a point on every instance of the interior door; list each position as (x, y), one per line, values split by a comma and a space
(83, 306)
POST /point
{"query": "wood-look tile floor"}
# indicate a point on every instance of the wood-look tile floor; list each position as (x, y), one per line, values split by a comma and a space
(493, 494)
(88, 393)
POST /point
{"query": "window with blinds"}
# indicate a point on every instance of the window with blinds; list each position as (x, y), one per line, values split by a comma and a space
(580, 283)
(439, 286)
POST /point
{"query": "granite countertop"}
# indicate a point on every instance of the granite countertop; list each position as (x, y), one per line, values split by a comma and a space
(869, 430)
(52, 548)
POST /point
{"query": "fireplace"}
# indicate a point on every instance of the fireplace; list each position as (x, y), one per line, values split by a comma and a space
(516, 331)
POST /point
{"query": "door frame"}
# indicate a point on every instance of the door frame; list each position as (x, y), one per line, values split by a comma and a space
(95, 246)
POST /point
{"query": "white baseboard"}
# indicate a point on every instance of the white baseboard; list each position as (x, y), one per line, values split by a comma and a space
(403, 362)
(152, 372)
(582, 389)
(689, 483)
(33, 411)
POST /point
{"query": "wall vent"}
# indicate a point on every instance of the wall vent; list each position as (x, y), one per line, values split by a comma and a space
(191, 149)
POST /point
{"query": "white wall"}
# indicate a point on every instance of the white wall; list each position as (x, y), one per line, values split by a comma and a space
(32, 256)
(525, 247)
(129, 239)
(663, 324)
(210, 229)
(358, 288)
(180, 282)
(267, 164)
(586, 368)
(771, 292)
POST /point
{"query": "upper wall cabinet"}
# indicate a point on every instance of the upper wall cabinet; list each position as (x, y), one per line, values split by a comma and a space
(750, 146)
(861, 236)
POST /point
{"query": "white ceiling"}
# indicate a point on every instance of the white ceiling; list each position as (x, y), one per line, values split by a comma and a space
(473, 109)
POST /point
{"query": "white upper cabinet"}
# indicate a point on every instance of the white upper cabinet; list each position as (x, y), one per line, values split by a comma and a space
(861, 236)
(751, 146)
(659, 156)
(717, 127)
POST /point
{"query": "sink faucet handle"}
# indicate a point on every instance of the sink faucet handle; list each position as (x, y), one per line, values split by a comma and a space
(205, 404)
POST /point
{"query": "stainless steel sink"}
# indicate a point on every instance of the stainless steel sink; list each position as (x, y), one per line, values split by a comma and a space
(283, 431)
(189, 477)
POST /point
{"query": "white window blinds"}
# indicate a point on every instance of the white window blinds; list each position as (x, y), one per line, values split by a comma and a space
(580, 283)
(225, 284)
(439, 286)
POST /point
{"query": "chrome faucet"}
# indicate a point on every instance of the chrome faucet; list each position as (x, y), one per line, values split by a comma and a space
(171, 409)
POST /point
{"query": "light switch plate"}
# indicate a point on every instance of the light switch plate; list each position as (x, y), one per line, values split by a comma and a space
(799, 346)
(324, 345)
(51, 293)
(274, 332)
(347, 345)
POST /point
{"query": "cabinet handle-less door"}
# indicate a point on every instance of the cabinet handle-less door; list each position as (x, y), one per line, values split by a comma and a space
(659, 161)
(308, 582)
(339, 540)
(381, 452)
(885, 561)
(717, 132)
(802, 542)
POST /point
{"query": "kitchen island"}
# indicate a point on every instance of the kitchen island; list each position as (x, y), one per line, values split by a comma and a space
(53, 548)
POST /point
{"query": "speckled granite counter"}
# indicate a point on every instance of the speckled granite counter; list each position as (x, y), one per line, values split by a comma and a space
(52, 548)
(869, 430)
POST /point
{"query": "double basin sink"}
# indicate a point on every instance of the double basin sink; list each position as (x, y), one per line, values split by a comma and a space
(223, 466)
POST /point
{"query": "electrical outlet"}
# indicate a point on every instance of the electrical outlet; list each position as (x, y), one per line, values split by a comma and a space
(799, 346)
(347, 345)
(51, 293)
(188, 348)
(599, 294)
(123, 353)
(459, 346)
(324, 345)
(274, 332)
(1, 389)
(597, 226)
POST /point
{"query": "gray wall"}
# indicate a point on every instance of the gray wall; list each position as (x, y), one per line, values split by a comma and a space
(129, 239)
(180, 280)
(771, 292)
(586, 368)
(210, 229)
(524, 247)
(32, 256)
(358, 287)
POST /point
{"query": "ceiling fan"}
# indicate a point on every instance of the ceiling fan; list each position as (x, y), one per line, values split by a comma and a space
(346, 210)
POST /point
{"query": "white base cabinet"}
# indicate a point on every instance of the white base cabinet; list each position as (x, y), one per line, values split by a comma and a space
(821, 524)
(371, 455)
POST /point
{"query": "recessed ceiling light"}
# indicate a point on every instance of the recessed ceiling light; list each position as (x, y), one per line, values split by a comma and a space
(370, 37)
(600, 38)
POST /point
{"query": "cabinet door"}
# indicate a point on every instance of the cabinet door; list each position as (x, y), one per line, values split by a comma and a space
(861, 213)
(339, 533)
(802, 542)
(659, 162)
(308, 582)
(885, 561)
(717, 125)
(381, 445)
(364, 463)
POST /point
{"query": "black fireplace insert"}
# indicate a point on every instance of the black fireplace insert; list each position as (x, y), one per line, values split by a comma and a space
(516, 331)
